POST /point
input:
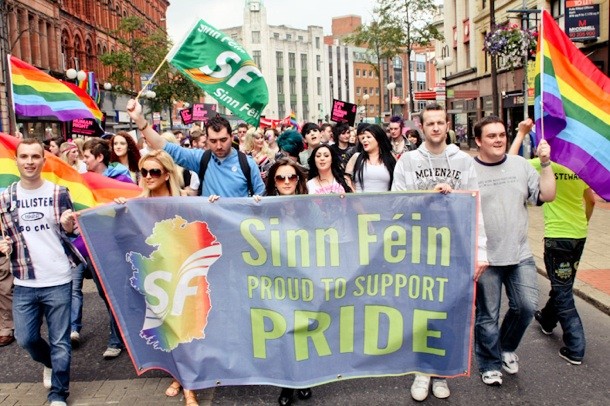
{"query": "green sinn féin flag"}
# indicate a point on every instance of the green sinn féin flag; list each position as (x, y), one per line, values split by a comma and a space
(222, 68)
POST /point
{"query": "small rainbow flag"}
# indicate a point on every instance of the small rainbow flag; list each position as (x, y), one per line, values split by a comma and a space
(572, 107)
(86, 190)
(36, 94)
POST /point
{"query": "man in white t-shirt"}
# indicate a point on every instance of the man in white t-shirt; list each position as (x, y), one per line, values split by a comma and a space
(37, 217)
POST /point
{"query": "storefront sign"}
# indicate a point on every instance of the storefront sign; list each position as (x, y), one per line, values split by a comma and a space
(582, 21)
(86, 127)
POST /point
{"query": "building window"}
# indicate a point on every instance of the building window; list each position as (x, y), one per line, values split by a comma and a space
(293, 85)
(421, 66)
(304, 62)
(280, 85)
(291, 60)
(358, 90)
(256, 37)
(256, 56)
(421, 85)
(318, 62)
(397, 62)
(319, 86)
(304, 86)
(279, 59)
(357, 73)
(317, 42)
(276, 35)
(288, 37)
(300, 38)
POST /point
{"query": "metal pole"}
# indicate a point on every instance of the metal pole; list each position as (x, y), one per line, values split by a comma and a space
(525, 26)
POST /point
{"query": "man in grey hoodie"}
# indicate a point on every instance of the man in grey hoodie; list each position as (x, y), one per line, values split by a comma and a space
(443, 168)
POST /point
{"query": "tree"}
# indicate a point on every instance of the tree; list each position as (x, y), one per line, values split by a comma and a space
(142, 51)
(413, 19)
(381, 42)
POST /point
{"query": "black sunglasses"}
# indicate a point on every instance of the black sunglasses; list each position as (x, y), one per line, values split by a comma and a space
(154, 173)
(282, 178)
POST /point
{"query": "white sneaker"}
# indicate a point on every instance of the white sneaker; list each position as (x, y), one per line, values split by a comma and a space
(58, 403)
(510, 362)
(111, 353)
(440, 388)
(492, 378)
(420, 387)
(46, 377)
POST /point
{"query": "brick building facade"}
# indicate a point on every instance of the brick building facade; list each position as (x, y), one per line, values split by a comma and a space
(55, 35)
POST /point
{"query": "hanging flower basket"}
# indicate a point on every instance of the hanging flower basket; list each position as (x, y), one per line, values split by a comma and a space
(511, 43)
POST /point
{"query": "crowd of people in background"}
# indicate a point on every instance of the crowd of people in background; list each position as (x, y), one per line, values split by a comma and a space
(338, 159)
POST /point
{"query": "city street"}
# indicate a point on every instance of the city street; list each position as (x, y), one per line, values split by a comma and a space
(544, 378)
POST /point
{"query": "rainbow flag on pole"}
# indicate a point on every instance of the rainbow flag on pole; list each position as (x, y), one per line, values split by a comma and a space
(572, 107)
(86, 190)
(36, 94)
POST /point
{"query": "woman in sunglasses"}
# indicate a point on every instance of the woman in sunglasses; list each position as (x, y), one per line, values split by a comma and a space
(286, 178)
(160, 178)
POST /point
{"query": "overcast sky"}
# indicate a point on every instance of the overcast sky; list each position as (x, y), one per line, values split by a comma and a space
(294, 13)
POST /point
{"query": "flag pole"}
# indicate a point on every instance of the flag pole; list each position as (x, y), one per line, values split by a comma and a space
(171, 52)
(151, 79)
(541, 39)
(11, 102)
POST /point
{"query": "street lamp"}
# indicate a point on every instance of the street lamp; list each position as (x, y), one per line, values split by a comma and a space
(72, 74)
(442, 63)
(366, 97)
(390, 86)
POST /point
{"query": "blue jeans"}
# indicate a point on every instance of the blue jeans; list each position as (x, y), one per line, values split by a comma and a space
(76, 319)
(114, 339)
(30, 305)
(521, 286)
(561, 257)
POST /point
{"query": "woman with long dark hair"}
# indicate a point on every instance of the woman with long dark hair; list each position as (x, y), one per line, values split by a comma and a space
(124, 150)
(325, 172)
(372, 169)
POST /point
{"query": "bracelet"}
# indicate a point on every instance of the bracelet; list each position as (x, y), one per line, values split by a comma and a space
(143, 128)
(545, 164)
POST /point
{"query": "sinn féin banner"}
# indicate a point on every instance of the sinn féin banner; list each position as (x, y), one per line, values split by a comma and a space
(290, 291)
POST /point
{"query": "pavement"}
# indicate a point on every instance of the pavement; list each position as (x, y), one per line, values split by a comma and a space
(593, 285)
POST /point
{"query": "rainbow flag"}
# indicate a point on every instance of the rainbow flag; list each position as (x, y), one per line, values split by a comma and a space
(572, 107)
(87, 190)
(36, 94)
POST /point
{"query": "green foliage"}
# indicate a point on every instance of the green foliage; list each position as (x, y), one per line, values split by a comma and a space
(142, 51)
(413, 18)
(381, 42)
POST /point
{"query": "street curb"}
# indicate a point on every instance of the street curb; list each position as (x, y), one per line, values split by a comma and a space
(586, 292)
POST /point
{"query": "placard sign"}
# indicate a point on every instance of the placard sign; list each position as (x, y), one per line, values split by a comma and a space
(87, 127)
(187, 116)
(203, 111)
(343, 111)
(582, 22)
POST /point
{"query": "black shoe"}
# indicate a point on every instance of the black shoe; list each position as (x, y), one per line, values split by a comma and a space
(545, 330)
(286, 397)
(304, 394)
(565, 354)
